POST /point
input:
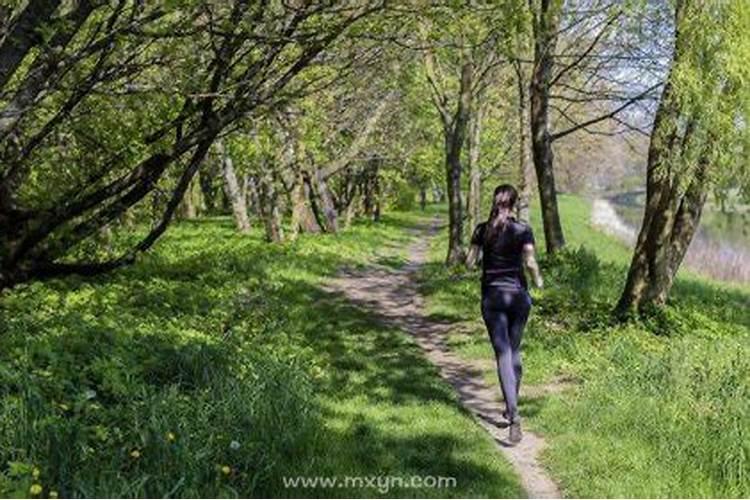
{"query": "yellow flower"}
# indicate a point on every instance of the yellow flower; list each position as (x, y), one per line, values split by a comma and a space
(35, 489)
(226, 469)
(135, 454)
(170, 437)
(35, 473)
(53, 494)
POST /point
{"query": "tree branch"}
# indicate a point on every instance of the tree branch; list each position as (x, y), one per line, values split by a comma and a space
(24, 36)
(356, 146)
(606, 116)
(586, 52)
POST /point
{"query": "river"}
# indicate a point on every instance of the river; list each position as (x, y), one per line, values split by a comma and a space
(720, 248)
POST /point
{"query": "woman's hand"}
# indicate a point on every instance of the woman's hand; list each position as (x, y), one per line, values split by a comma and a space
(539, 282)
(529, 260)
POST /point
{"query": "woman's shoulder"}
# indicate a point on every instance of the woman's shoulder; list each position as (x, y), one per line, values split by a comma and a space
(519, 223)
(523, 229)
(477, 237)
(480, 228)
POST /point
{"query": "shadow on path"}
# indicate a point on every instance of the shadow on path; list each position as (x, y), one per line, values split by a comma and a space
(392, 295)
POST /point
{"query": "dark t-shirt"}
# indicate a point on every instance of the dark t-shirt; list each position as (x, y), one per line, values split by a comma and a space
(502, 261)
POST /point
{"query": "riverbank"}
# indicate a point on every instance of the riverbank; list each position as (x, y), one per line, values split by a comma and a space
(654, 408)
(710, 255)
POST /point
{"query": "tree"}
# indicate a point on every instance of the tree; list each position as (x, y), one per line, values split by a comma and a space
(591, 54)
(699, 137)
(148, 88)
(546, 23)
(473, 146)
(524, 176)
(461, 54)
(234, 188)
(454, 133)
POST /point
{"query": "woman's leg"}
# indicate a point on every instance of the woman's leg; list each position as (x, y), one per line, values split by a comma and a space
(497, 324)
(517, 323)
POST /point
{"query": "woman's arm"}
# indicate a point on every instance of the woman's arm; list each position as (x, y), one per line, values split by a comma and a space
(472, 259)
(529, 260)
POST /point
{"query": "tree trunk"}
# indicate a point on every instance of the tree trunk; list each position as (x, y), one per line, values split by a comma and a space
(271, 211)
(206, 178)
(323, 196)
(546, 26)
(26, 32)
(455, 212)
(454, 142)
(253, 196)
(475, 174)
(672, 213)
(376, 189)
(303, 218)
(369, 187)
(351, 211)
(190, 202)
(670, 223)
(348, 201)
(422, 198)
(233, 190)
(524, 177)
(313, 202)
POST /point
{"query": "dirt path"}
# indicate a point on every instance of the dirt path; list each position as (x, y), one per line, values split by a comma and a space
(393, 296)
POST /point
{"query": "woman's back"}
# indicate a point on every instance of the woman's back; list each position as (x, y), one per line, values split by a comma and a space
(502, 248)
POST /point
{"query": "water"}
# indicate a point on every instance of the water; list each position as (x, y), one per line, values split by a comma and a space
(720, 248)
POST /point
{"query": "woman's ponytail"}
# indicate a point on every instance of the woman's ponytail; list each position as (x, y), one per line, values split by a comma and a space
(503, 203)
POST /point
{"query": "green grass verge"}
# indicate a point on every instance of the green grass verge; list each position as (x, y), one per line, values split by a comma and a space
(659, 407)
(215, 367)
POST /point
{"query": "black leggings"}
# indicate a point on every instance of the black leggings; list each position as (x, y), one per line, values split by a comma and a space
(505, 313)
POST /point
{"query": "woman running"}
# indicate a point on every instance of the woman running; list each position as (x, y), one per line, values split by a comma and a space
(505, 246)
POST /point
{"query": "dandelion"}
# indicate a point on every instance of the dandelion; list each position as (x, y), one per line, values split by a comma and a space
(35, 473)
(135, 454)
(235, 445)
(53, 494)
(35, 489)
(226, 469)
(171, 437)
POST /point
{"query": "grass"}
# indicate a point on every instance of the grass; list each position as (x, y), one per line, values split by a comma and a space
(217, 366)
(658, 408)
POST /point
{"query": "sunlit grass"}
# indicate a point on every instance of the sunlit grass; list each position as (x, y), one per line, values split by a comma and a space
(658, 408)
(216, 366)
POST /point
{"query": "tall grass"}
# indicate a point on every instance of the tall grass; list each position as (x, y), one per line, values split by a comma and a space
(661, 407)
